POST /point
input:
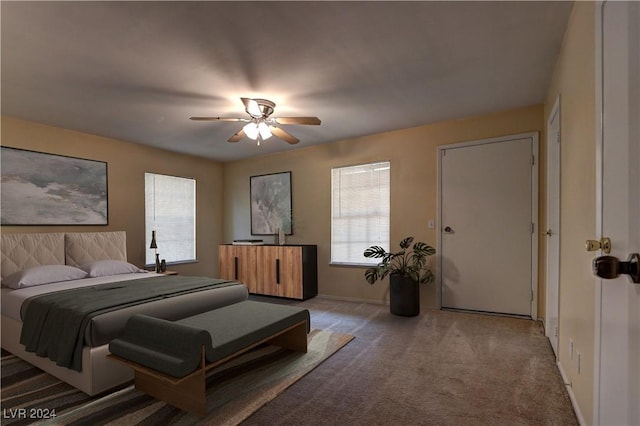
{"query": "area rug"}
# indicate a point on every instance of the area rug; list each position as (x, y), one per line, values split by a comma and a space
(235, 390)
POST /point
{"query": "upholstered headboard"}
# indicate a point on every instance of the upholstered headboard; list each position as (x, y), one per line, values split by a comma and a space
(81, 248)
(22, 251)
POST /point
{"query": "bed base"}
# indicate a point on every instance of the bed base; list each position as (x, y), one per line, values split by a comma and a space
(98, 374)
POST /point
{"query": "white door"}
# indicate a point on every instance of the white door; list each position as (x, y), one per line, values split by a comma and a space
(617, 352)
(552, 232)
(486, 218)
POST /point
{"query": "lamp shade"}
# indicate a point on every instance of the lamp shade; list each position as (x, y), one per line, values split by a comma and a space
(251, 130)
(153, 245)
(265, 131)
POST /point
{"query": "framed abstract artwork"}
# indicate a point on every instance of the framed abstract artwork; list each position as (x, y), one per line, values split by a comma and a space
(271, 204)
(48, 189)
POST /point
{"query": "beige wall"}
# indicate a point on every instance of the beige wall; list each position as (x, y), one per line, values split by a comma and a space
(412, 153)
(574, 80)
(126, 165)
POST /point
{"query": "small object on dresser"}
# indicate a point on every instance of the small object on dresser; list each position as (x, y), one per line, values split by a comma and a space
(163, 265)
(158, 263)
(248, 242)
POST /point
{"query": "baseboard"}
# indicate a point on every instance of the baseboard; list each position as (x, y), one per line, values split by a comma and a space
(572, 396)
(351, 299)
(497, 314)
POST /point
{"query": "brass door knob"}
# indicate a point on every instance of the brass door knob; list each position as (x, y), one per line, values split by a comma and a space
(604, 244)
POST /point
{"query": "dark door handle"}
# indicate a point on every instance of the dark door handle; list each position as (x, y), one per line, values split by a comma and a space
(448, 230)
(609, 267)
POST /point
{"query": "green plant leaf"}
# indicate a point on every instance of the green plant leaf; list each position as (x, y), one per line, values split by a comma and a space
(406, 242)
(427, 277)
(383, 272)
(418, 260)
(371, 275)
(424, 248)
(408, 262)
(375, 252)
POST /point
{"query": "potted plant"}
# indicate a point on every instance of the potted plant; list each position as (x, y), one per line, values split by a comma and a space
(407, 269)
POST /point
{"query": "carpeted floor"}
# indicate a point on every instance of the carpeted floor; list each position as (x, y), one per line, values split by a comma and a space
(235, 390)
(440, 368)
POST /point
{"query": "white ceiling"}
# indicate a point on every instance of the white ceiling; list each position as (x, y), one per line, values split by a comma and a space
(136, 71)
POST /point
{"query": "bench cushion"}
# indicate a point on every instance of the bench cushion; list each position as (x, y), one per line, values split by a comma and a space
(175, 348)
(162, 345)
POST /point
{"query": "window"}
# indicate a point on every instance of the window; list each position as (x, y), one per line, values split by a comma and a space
(170, 210)
(360, 209)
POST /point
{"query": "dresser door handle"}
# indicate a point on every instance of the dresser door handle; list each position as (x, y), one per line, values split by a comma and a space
(277, 271)
(235, 267)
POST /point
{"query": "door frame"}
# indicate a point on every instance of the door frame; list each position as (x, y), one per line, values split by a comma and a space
(553, 334)
(534, 211)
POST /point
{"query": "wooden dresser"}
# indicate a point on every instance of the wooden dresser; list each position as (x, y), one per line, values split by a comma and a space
(274, 270)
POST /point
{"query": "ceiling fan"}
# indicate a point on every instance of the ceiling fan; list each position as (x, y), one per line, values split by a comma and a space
(261, 125)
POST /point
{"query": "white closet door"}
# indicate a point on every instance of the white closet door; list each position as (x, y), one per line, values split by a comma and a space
(486, 226)
(618, 300)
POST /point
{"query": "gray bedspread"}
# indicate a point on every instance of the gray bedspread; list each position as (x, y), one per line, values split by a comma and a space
(54, 324)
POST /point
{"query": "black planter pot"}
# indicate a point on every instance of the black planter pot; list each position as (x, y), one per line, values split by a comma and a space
(404, 296)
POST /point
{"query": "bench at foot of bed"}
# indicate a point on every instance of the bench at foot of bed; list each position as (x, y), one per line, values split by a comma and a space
(171, 359)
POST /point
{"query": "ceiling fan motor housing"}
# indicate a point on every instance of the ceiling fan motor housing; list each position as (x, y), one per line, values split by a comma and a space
(266, 108)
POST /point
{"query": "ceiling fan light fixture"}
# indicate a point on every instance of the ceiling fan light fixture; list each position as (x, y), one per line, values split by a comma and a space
(261, 126)
(253, 108)
(264, 130)
(251, 130)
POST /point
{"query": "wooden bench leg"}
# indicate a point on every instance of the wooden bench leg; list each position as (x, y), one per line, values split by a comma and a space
(189, 394)
(295, 338)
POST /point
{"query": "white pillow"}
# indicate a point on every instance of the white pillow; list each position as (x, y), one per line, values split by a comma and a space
(101, 268)
(46, 274)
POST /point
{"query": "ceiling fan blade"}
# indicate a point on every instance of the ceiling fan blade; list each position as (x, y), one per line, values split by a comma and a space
(287, 137)
(252, 107)
(298, 120)
(219, 119)
(236, 137)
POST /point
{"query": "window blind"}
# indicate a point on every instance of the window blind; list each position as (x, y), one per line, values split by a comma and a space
(360, 210)
(170, 210)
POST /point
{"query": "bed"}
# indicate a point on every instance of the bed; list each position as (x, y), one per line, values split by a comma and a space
(30, 252)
